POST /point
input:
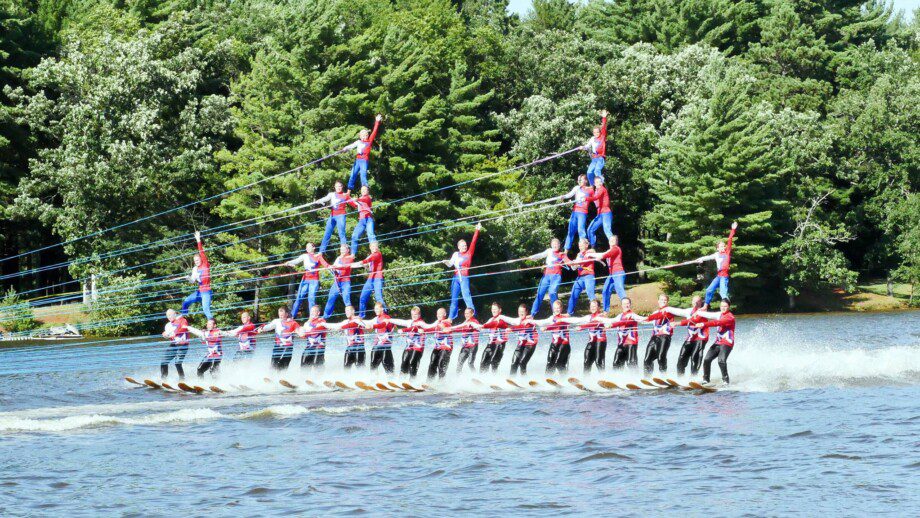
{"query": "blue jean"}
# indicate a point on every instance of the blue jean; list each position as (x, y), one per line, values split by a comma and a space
(360, 168)
(333, 223)
(375, 285)
(204, 297)
(306, 289)
(615, 282)
(549, 283)
(460, 286)
(596, 168)
(342, 288)
(576, 224)
(584, 283)
(605, 219)
(718, 282)
(366, 224)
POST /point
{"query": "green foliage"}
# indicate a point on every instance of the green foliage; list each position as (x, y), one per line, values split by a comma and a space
(17, 314)
(121, 300)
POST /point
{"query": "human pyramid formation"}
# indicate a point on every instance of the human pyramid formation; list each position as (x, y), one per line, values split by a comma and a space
(444, 332)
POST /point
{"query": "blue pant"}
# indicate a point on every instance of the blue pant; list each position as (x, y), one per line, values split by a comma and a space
(199, 296)
(360, 167)
(718, 282)
(342, 288)
(605, 219)
(375, 285)
(460, 285)
(615, 282)
(306, 289)
(366, 224)
(576, 224)
(333, 223)
(596, 168)
(549, 283)
(584, 283)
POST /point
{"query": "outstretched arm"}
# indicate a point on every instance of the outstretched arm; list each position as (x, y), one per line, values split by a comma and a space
(201, 253)
(472, 247)
(537, 257)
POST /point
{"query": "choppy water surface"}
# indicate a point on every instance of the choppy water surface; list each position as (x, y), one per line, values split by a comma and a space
(822, 417)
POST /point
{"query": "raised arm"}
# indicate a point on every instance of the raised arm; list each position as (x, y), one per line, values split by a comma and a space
(731, 237)
(377, 119)
(201, 253)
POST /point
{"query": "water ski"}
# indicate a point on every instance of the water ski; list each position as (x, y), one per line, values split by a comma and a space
(426, 387)
(575, 382)
(167, 386)
(288, 384)
(495, 387)
(609, 385)
(216, 389)
(384, 388)
(648, 383)
(134, 381)
(533, 383)
(704, 388)
(478, 382)
(513, 384)
(329, 384)
(266, 380)
(188, 388)
(395, 385)
(364, 386)
(342, 385)
(310, 383)
(197, 389)
(633, 386)
(553, 382)
(152, 384)
(244, 387)
(410, 387)
(661, 382)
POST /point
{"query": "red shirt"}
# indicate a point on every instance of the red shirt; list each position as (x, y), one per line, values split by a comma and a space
(526, 332)
(376, 268)
(469, 335)
(499, 330)
(364, 148)
(415, 335)
(315, 332)
(246, 335)
(595, 328)
(725, 335)
(601, 199)
(341, 204)
(554, 262)
(354, 333)
(724, 259)
(614, 258)
(582, 206)
(584, 263)
(311, 266)
(461, 260)
(341, 268)
(204, 271)
(661, 321)
(559, 329)
(363, 204)
(693, 333)
(442, 338)
(284, 331)
(213, 341)
(599, 145)
(628, 334)
(384, 329)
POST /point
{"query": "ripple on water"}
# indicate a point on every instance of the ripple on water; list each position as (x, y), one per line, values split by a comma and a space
(840, 456)
(604, 456)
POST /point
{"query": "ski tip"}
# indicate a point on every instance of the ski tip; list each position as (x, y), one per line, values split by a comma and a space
(197, 389)
(426, 387)
(329, 384)
(609, 385)
(495, 387)
(167, 386)
(553, 382)
(633, 386)
(384, 388)
(364, 386)
(660, 382)
(267, 380)
(410, 387)
(672, 382)
(648, 383)
(574, 380)
(288, 384)
(342, 385)
(216, 389)
(533, 383)
(244, 387)
(513, 383)
(478, 382)
(699, 386)
(129, 379)
(394, 385)
(310, 383)
(152, 384)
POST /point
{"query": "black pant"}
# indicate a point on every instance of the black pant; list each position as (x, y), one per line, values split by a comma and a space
(492, 356)
(176, 352)
(691, 351)
(281, 357)
(722, 352)
(595, 353)
(557, 360)
(354, 357)
(467, 355)
(520, 358)
(208, 364)
(313, 357)
(382, 355)
(657, 349)
(626, 355)
(410, 360)
(440, 359)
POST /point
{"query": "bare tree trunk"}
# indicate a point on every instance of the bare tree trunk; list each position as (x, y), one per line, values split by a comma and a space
(889, 287)
(791, 301)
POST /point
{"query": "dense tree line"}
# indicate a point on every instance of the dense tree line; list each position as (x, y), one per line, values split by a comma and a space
(797, 118)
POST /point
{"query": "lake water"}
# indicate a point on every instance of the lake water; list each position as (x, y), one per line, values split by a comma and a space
(823, 417)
